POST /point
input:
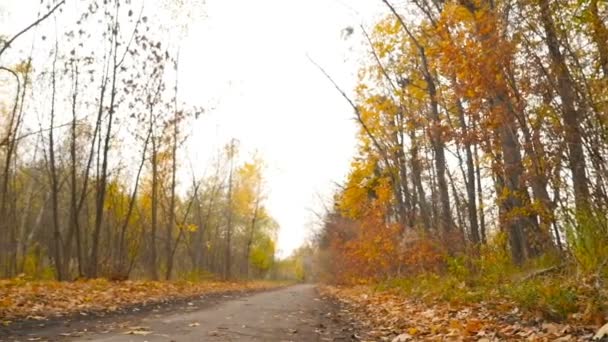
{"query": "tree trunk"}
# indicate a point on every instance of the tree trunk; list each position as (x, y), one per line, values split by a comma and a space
(570, 114)
(250, 236)
(470, 178)
(54, 182)
(227, 256)
(416, 175)
(599, 33)
(103, 177)
(154, 205)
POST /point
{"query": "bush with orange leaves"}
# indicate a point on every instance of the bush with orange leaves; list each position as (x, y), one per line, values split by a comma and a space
(421, 253)
(363, 247)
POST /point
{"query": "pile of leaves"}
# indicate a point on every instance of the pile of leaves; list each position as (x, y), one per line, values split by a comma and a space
(24, 299)
(389, 316)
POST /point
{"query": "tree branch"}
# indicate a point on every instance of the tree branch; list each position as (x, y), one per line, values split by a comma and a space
(35, 23)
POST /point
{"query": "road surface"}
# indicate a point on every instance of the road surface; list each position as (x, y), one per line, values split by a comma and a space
(295, 313)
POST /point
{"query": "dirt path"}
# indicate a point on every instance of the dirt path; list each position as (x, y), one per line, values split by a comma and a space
(295, 313)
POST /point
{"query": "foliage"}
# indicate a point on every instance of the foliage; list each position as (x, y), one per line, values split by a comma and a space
(589, 245)
(298, 266)
(479, 176)
(262, 254)
(488, 280)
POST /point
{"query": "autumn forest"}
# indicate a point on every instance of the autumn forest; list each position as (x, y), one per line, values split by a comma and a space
(480, 122)
(480, 172)
(73, 206)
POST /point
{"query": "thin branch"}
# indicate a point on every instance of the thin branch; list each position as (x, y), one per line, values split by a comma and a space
(34, 24)
(377, 58)
(41, 130)
(352, 104)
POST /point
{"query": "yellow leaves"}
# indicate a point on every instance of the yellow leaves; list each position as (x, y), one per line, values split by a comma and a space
(389, 26)
(23, 68)
(189, 227)
(262, 254)
(384, 191)
(413, 331)
(354, 199)
(417, 89)
(381, 104)
(248, 190)
(454, 12)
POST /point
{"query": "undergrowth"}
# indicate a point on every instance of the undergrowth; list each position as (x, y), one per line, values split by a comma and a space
(546, 287)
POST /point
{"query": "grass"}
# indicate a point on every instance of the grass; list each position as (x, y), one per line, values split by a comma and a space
(559, 295)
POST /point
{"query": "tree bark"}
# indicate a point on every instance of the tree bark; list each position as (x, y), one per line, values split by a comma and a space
(59, 267)
(571, 116)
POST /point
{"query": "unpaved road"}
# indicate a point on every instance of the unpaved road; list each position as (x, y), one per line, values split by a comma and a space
(295, 313)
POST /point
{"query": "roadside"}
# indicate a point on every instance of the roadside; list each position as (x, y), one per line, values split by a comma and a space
(27, 305)
(295, 313)
(388, 316)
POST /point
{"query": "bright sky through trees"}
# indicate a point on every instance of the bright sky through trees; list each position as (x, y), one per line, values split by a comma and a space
(251, 57)
(245, 63)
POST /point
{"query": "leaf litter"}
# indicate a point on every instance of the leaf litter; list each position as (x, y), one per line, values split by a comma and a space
(393, 317)
(40, 300)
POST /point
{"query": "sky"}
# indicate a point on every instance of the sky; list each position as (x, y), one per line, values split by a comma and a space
(246, 63)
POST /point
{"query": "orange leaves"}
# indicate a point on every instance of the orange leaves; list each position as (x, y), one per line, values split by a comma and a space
(20, 298)
(367, 249)
(471, 48)
(388, 316)
(420, 253)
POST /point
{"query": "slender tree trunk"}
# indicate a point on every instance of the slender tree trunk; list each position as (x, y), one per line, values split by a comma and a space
(599, 34)
(154, 204)
(228, 261)
(54, 181)
(571, 116)
(6, 228)
(120, 269)
(250, 236)
(416, 175)
(474, 235)
(74, 229)
(513, 171)
(445, 213)
(480, 206)
(103, 176)
(171, 223)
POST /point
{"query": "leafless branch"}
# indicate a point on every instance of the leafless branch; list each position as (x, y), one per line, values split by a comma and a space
(32, 25)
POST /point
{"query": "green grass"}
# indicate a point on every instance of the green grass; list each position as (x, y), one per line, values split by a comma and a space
(554, 295)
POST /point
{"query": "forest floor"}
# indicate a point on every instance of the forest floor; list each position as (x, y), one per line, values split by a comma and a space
(259, 311)
(33, 305)
(383, 315)
(294, 313)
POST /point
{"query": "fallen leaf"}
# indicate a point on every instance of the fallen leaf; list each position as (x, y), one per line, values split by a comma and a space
(402, 338)
(601, 333)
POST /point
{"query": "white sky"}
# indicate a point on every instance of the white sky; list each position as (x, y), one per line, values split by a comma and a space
(246, 61)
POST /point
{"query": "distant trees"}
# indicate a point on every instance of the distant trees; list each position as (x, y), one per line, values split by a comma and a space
(91, 140)
(477, 118)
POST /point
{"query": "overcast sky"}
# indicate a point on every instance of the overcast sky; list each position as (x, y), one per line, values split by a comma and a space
(245, 62)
